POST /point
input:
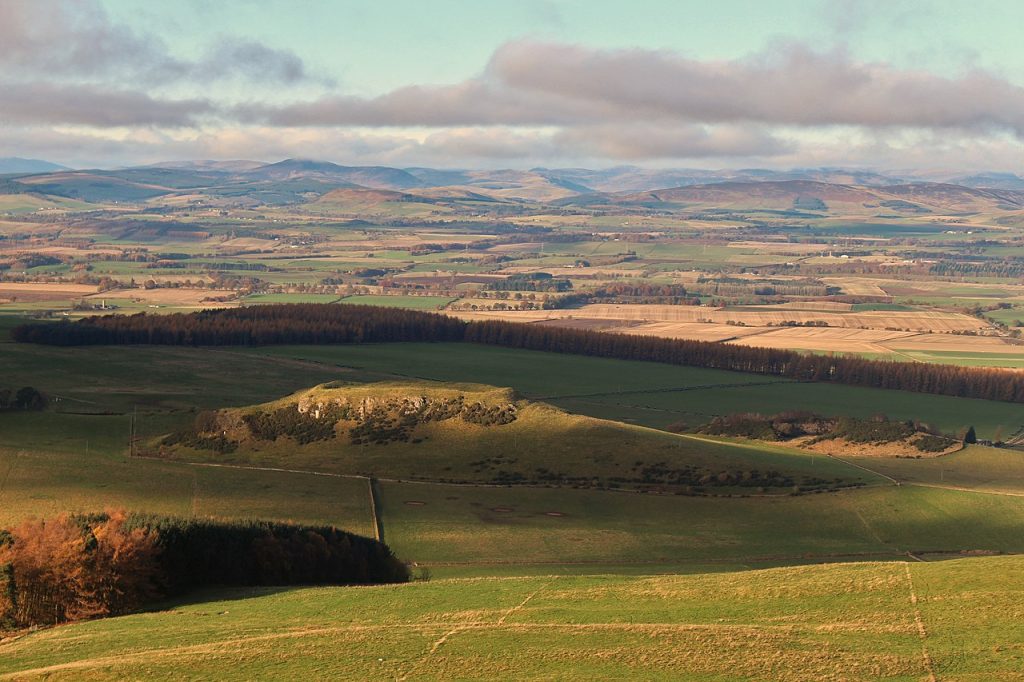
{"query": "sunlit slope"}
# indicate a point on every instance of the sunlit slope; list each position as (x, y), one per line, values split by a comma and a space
(898, 621)
(481, 434)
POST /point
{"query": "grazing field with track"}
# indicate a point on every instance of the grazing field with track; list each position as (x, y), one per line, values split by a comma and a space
(995, 470)
(44, 483)
(894, 621)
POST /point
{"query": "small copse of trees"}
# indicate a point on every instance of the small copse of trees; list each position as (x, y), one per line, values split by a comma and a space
(789, 425)
(75, 567)
(25, 398)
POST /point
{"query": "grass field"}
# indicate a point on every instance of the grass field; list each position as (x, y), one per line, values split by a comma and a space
(894, 621)
(974, 467)
(650, 393)
(1008, 316)
(27, 203)
(966, 358)
(493, 538)
(173, 380)
(42, 483)
(478, 530)
(94, 389)
(411, 302)
(291, 298)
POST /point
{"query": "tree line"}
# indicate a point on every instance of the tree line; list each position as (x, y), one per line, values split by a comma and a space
(75, 567)
(311, 323)
(295, 323)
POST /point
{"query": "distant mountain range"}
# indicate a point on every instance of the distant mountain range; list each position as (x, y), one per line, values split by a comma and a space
(299, 181)
(13, 164)
(808, 195)
(991, 181)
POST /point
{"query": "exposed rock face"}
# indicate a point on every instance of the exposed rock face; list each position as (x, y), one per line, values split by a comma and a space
(320, 416)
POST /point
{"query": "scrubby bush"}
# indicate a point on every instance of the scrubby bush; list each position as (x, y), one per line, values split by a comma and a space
(789, 425)
(930, 443)
(303, 426)
(377, 421)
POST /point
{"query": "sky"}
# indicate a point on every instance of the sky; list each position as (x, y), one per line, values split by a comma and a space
(892, 85)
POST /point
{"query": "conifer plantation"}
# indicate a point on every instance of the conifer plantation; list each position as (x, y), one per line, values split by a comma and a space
(312, 323)
(75, 567)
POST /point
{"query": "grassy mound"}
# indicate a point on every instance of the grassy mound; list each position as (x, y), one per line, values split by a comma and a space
(469, 433)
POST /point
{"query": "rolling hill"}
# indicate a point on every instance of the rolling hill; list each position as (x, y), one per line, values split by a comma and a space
(816, 196)
(298, 181)
(374, 177)
(94, 186)
(486, 435)
(13, 164)
(898, 621)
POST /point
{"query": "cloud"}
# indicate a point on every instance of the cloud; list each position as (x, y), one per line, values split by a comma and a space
(473, 102)
(62, 37)
(529, 83)
(41, 103)
(640, 142)
(253, 60)
(65, 63)
(76, 39)
(791, 85)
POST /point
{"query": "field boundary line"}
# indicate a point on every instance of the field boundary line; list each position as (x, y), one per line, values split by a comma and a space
(958, 488)
(519, 607)
(871, 531)
(673, 389)
(883, 556)
(467, 626)
(218, 646)
(1004, 493)
(279, 470)
(922, 633)
(456, 484)
(378, 525)
(433, 649)
(195, 493)
(864, 468)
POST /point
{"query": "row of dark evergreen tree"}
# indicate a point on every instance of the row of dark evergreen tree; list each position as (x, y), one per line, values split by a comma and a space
(311, 323)
(76, 567)
(295, 323)
(195, 552)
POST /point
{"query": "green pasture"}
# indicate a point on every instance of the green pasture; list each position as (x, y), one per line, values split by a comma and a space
(885, 621)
